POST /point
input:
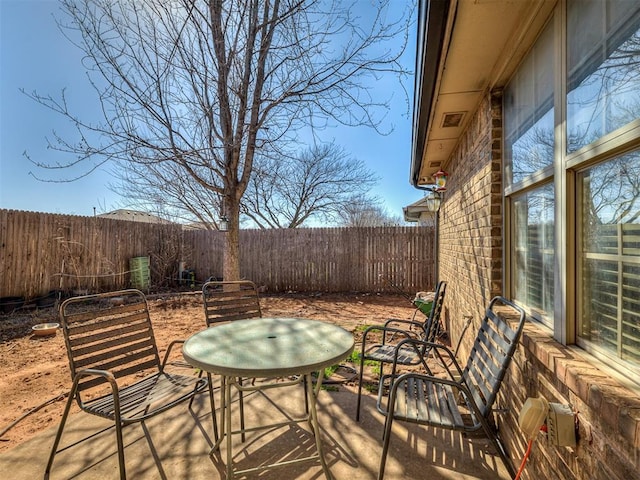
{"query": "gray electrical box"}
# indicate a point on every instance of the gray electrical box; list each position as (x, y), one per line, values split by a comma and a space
(561, 429)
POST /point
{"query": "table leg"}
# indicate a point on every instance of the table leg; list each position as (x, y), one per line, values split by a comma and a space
(213, 409)
(223, 409)
(227, 419)
(312, 394)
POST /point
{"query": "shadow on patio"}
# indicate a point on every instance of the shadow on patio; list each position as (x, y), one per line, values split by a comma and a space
(175, 445)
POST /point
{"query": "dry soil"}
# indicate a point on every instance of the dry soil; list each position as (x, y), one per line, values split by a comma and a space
(36, 377)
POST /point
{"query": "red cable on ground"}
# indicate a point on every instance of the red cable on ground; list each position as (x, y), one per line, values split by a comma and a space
(524, 460)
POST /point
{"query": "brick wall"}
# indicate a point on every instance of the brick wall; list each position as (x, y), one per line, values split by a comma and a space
(470, 260)
(470, 257)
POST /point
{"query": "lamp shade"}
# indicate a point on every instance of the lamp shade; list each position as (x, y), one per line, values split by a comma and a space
(432, 201)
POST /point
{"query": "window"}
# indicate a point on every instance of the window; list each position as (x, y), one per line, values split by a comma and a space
(529, 150)
(603, 91)
(600, 40)
(609, 257)
(528, 104)
(603, 95)
(533, 253)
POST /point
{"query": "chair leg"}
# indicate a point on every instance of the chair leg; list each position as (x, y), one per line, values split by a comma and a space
(386, 438)
(56, 442)
(63, 421)
(497, 444)
(360, 386)
(120, 442)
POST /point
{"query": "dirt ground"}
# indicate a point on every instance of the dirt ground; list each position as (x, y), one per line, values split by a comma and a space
(36, 375)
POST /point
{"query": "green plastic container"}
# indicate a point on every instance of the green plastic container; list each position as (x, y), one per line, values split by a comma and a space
(424, 306)
(140, 273)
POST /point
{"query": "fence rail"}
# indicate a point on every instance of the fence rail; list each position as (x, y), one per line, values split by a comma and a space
(40, 253)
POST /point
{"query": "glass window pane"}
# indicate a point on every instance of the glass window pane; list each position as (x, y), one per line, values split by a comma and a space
(603, 55)
(534, 252)
(631, 313)
(528, 112)
(600, 323)
(610, 257)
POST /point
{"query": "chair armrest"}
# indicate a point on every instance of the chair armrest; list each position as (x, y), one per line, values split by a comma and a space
(440, 351)
(410, 323)
(168, 353)
(94, 372)
(385, 330)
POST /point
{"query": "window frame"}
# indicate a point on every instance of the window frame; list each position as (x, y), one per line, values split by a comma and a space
(619, 258)
(533, 181)
(564, 173)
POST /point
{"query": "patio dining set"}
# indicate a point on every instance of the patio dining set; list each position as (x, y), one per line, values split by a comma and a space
(119, 375)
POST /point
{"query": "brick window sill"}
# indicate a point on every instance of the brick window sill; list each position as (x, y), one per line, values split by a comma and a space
(589, 380)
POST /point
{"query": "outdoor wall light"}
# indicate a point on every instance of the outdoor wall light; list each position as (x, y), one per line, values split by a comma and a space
(440, 180)
(432, 200)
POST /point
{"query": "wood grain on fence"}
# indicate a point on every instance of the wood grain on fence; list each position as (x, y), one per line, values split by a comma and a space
(40, 253)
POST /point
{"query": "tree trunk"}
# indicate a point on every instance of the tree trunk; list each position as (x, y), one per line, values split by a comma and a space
(231, 261)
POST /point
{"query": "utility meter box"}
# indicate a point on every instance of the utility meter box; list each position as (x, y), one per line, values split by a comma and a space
(561, 428)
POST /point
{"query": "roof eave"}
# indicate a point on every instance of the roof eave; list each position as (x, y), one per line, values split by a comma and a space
(432, 21)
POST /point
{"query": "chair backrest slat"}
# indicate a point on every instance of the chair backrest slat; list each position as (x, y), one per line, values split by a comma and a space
(482, 374)
(432, 323)
(491, 354)
(110, 331)
(102, 325)
(89, 304)
(229, 301)
(92, 382)
(95, 341)
(493, 338)
(111, 358)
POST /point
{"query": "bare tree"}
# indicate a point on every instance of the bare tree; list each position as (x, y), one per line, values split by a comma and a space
(190, 88)
(362, 211)
(315, 184)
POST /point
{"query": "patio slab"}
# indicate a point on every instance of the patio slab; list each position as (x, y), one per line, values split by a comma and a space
(175, 445)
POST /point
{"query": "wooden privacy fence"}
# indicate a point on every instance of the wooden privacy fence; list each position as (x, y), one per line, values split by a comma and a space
(40, 253)
(364, 259)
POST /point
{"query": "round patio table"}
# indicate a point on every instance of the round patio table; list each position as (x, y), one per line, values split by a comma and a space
(267, 348)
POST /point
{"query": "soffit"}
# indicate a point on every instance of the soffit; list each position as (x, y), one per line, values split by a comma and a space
(485, 39)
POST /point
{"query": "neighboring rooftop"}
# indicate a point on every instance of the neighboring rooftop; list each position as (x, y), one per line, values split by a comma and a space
(133, 216)
(420, 212)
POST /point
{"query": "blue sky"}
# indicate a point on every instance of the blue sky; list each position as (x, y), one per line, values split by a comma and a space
(35, 56)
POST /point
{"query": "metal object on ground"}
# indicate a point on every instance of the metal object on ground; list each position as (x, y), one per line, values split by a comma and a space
(45, 329)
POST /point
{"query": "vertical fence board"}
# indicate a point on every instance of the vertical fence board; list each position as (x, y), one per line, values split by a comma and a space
(44, 252)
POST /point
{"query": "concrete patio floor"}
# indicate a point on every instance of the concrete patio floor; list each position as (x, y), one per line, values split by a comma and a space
(175, 445)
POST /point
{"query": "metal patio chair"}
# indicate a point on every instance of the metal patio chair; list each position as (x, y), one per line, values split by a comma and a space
(226, 301)
(110, 344)
(395, 330)
(464, 400)
(229, 301)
